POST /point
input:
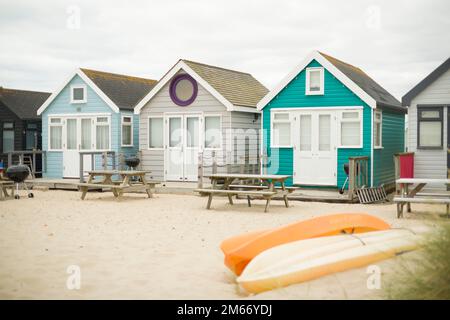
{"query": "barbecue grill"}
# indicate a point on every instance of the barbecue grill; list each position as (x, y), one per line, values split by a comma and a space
(132, 162)
(18, 174)
(347, 170)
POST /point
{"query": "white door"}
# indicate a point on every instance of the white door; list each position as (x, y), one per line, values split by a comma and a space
(315, 155)
(78, 137)
(174, 154)
(192, 147)
(71, 157)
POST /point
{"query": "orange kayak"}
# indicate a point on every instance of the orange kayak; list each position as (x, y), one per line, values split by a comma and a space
(241, 249)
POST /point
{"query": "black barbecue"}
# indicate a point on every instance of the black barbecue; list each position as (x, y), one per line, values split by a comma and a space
(347, 171)
(18, 174)
(132, 162)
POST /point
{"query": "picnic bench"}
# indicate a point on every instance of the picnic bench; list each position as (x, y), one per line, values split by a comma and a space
(131, 181)
(408, 195)
(4, 186)
(264, 187)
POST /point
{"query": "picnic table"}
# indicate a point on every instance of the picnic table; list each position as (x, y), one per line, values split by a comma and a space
(409, 194)
(4, 186)
(128, 182)
(264, 187)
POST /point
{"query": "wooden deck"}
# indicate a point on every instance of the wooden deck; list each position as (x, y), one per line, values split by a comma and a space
(187, 188)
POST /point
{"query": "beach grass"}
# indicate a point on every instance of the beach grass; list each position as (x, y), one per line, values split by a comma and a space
(426, 275)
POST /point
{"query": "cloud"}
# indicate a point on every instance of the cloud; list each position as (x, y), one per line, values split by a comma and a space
(395, 42)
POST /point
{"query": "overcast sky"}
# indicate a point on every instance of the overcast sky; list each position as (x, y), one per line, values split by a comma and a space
(396, 42)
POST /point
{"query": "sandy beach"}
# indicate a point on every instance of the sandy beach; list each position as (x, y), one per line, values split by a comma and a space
(161, 248)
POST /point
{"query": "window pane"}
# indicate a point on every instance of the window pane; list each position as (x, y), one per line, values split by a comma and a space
(184, 90)
(212, 132)
(55, 137)
(30, 139)
(282, 134)
(377, 134)
(86, 134)
(305, 133)
(102, 119)
(175, 132)
(430, 114)
(55, 120)
(430, 134)
(350, 134)
(126, 135)
(31, 125)
(281, 116)
(78, 93)
(102, 142)
(192, 132)
(350, 115)
(8, 125)
(156, 133)
(126, 119)
(71, 134)
(8, 141)
(324, 132)
(314, 80)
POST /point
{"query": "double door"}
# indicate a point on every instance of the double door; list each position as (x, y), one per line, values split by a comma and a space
(183, 146)
(315, 148)
(78, 137)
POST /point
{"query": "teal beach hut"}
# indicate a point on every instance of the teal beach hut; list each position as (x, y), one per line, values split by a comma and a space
(324, 112)
(92, 111)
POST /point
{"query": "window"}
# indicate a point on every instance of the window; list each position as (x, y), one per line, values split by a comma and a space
(281, 130)
(102, 133)
(8, 137)
(377, 129)
(31, 135)
(78, 94)
(155, 133)
(213, 134)
(351, 129)
(430, 127)
(127, 131)
(55, 134)
(314, 81)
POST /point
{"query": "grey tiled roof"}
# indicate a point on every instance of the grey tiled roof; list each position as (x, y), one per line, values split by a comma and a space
(366, 83)
(124, 91)
(240, 88)
(22, 102)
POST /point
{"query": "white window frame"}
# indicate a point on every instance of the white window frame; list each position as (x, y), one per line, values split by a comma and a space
(272, 121)
(148, 132)
(341, 120)
(375, 122)
(78, 86)
(203, 136)
(60, 124)
(129, 124)
(108, 123)
(308, 92)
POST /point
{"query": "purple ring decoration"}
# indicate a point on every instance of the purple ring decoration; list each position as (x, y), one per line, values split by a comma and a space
(173, 88)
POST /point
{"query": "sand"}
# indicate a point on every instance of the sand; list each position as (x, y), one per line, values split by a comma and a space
(161, 248)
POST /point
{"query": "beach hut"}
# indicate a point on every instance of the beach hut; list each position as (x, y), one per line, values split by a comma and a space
(428, 123)
(20, 126)
(92, 111)
(325, 112)
(199, 112)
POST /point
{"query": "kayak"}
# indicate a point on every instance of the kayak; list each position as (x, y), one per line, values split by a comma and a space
(309, 259)
(240, 250)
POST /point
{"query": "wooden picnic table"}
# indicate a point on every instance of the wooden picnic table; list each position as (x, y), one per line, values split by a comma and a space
(118, 187)
(265, 187)
(409, 194)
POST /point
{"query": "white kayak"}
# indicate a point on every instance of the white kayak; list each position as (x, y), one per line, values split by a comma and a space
(309, 259)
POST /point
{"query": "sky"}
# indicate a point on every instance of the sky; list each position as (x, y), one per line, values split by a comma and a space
(396, 42)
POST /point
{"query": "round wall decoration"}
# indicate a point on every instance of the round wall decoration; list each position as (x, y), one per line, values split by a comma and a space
(183, 90)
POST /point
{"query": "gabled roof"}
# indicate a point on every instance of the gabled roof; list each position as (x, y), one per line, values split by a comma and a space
(236, 90)
(422, 85)
(23, 103)
(352, 77)
(120, 92)
(124, 91)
